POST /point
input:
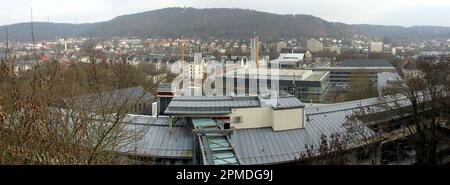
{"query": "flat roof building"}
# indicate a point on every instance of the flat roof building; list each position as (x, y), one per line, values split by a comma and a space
(289, 60)
(214, 119)
(365, 63)
(239, 111)
(307, 85)
(346, 69)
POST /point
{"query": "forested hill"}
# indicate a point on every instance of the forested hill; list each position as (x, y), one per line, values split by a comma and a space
(218, 23)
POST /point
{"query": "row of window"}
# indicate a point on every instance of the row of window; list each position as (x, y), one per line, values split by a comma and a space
(302, 90)
(353, 76)
(373, 81)
(138, 107)
(349, 73)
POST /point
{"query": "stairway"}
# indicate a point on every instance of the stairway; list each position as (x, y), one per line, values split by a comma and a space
(215, 144)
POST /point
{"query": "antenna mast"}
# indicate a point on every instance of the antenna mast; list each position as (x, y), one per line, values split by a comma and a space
(32, 27)
(7, 43)
(32, 36)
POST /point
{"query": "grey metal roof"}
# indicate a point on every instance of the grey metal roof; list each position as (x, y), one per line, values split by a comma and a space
(264, 146)
(110, 98)
(223, 104)
(165, 87)
(365, 63)
(288, 103)
(252, 146)
(159, 140)
(146, 120)
(399, 100)
(336, 107)
(195, 105)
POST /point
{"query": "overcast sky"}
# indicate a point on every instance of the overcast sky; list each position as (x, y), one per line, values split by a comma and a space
(386, 12)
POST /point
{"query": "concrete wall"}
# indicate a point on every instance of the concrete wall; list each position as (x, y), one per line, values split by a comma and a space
(288, 119)
(252, 117)
(263, 117)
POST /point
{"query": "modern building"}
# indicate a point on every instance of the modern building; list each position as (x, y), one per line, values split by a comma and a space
(214, 121)
(197, 67)
(364, 63)
(254, 49)
(291, 58)
(307, 85)
(346, 69)
(314, 45)
(258, 130)
(240, 111)
(224, 130)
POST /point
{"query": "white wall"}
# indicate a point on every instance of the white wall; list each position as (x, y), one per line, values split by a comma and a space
(263, 117)
(288, 119)
(259, 117)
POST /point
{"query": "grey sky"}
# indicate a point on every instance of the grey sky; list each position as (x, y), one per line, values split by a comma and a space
(386, 12)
